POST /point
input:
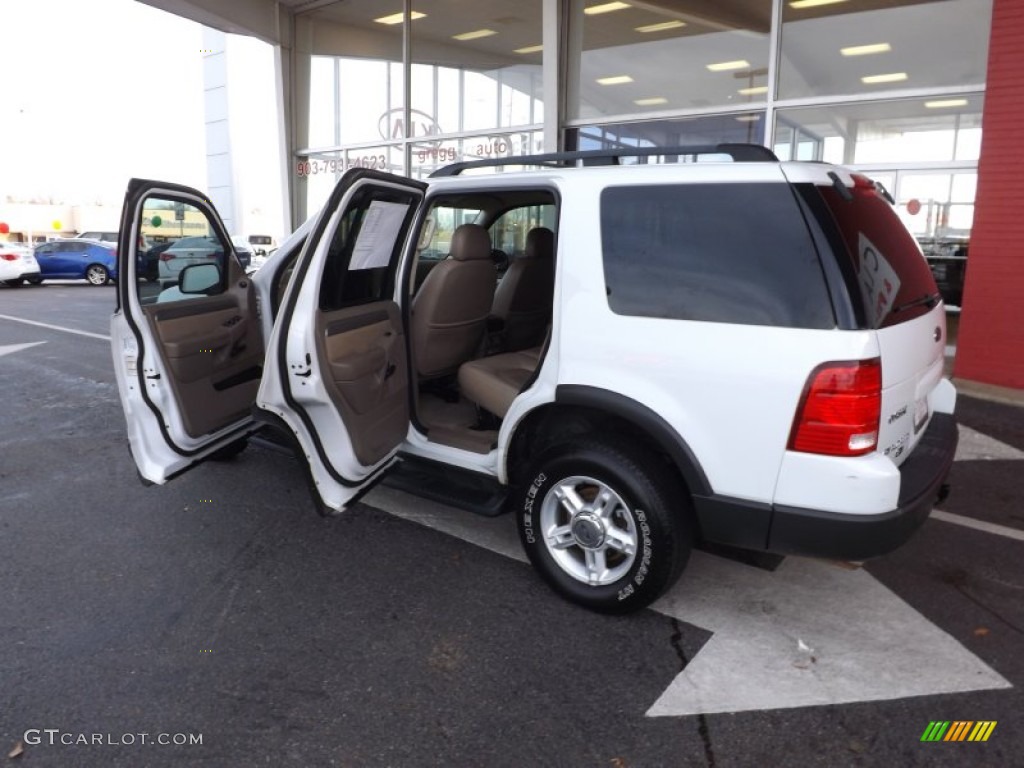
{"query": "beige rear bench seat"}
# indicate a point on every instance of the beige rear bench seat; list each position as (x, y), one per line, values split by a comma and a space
(494, 382)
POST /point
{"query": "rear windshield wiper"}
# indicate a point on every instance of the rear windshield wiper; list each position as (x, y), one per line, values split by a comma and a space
(929, 299)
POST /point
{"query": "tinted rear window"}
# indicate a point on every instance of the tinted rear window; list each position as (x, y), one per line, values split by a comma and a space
(731, 253)
(891, 276)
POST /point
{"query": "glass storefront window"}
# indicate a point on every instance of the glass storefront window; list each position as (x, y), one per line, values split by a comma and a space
(354, 99)
(478, 69)
(904, 131)
(746, 128)
(691, 54)
(321, 170)
(844, 48)
(935, 204)
(427, 157)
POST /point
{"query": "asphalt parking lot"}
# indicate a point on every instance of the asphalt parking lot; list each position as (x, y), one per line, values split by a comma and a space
(407, 634)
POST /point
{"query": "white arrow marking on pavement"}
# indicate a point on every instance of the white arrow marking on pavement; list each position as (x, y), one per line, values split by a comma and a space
(867, 644)
(10, 348)
(974, 446)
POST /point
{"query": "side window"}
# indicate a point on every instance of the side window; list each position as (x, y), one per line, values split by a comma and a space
(729, 253)
(508, 232)
(364, 252)
(442, 223)
(187, 259)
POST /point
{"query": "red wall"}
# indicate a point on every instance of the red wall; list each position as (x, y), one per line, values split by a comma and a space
(990, 345)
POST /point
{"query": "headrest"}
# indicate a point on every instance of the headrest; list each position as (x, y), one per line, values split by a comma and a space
(469, 242)
(540, 243)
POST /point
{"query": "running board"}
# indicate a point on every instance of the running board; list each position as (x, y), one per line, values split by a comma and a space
(445, 484)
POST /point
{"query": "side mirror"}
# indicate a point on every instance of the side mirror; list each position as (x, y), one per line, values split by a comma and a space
(199, 279)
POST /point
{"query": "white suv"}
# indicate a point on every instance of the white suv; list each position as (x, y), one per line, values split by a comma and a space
(631, 358)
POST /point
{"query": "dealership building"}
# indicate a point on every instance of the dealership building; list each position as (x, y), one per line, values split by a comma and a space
(922, 95)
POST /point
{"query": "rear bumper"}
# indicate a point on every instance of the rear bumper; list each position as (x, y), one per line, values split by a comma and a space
(855, 537)
(842, 536)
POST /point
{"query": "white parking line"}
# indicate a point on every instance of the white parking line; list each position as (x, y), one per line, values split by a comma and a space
(10, 349)
(978, 525)
(55, 327)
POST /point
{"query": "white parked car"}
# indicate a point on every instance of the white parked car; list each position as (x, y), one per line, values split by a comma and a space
(746, 352)
(17, 264)
(104, 236)
(186, 251)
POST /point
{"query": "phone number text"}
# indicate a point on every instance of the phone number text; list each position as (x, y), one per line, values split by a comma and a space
(315, 167)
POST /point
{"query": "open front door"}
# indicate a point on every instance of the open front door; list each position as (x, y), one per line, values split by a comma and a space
(337, 372)
(187, 348)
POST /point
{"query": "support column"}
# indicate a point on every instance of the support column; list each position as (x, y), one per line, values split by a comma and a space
(293, 62)
(990, 344)
(220, 176)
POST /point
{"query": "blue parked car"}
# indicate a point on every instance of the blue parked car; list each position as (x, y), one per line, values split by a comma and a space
(76, 259)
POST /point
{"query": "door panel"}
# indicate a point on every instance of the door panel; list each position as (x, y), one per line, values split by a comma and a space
(188, 351)
(205, 344)
(337, 372)
(364, 348)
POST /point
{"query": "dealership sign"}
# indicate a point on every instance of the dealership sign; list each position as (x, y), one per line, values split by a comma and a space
(392, 125)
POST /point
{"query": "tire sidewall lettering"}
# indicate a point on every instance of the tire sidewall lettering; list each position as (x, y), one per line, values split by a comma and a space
(531, 497)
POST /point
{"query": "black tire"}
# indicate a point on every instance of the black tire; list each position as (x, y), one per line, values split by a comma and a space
(655, 499)
(230, 451)
(15, 283)
(36, 280)
(97, 274)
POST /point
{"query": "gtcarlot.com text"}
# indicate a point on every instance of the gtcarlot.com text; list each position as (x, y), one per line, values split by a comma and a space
(55, 736)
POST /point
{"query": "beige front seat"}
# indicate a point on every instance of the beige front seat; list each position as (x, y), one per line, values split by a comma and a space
(449, 313)
(494, 382)
(526, 292)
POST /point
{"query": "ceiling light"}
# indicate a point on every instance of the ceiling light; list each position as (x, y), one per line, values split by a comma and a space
(661, 26)
(892, 77)
(725, 66)
(475, 34)
(593, 10)
(615, 80)
(398, 18)
(865, 50)
(529, 49)
(756, 90)
(813, 3)
(943, 103)
(748, 118)
(651, 102)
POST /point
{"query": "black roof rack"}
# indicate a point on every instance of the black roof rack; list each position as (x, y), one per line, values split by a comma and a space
(738, 152)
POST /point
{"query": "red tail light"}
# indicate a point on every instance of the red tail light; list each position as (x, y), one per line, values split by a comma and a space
(9, 256)
(165, 256)
(839, 411)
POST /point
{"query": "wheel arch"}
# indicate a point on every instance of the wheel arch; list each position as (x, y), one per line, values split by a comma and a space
(577, 407)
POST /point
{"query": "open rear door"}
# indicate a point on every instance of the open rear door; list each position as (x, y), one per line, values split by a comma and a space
(188, 352)
(337, 372)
